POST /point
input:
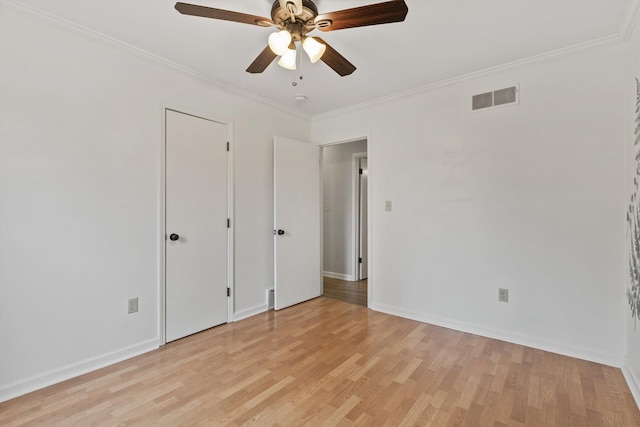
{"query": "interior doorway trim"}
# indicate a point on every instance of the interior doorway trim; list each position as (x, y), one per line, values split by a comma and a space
(355, 211)
(161, 232)
(369, 154)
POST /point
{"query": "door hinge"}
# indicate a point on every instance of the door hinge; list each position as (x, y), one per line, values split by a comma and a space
(228, 222)
(228, 146)
(360, 260)
(228, 292)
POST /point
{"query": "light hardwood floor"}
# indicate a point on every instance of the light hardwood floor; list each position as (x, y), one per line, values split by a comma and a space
(352, 292)
(329, 363)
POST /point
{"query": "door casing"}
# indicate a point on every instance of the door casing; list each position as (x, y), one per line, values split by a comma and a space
(356, 214)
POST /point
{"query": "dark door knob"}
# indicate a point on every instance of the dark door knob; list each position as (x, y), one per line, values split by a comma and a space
(280, 232)
(173, 237)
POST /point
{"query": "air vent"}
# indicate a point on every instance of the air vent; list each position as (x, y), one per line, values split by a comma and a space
(270, 299)
(496, 98)
(484, 100)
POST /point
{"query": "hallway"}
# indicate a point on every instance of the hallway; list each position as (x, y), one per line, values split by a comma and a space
(351, 292)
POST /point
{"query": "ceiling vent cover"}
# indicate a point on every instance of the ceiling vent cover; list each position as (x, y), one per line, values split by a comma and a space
(496, 98)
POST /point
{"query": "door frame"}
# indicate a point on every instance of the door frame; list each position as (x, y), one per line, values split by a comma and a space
(355, 210)
(336, 141)
(162, 200)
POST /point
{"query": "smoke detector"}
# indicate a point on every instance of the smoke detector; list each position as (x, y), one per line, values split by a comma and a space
(300, 99)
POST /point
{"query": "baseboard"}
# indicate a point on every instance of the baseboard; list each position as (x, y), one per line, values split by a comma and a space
(240, 315)
(73, 370)
(340, 276)
(553, 347)
(632, 382)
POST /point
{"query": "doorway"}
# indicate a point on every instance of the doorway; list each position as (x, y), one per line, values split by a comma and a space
(345, 221)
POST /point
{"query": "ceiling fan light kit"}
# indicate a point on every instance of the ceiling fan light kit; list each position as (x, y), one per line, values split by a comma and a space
(295, 19)
(314, 49)
(288, 59)
(279, 42)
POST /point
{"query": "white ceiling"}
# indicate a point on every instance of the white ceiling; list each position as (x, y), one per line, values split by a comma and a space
(440, 40)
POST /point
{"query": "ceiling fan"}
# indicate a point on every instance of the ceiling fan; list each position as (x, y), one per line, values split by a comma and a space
(295, 19)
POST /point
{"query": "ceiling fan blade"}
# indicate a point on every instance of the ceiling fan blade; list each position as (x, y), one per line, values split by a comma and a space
(262, 61)
(226, 15)
(337, 62)
(373, 14)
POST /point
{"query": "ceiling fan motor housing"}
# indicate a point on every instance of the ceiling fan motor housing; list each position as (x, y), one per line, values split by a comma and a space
(303, 22)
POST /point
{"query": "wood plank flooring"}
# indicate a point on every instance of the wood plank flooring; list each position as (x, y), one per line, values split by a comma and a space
(351, 292)
(330, 363)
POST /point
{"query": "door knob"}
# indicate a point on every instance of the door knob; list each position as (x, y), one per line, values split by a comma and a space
(280, 232)
(173, 237)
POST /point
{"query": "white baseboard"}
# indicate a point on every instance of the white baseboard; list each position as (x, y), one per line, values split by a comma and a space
(632, 382)
(553, 347)
(240, 315)
(37, 382)
(340, 276)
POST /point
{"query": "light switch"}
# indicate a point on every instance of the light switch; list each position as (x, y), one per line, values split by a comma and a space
(387, 206)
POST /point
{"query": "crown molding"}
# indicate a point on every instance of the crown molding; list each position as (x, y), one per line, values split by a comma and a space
(629, 21)
(552, 56)
(627, 26)
(63, 24)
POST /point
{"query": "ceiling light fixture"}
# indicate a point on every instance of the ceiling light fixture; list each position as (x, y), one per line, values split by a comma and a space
(288, 59)
(314, 49)
(294, 19)
(283, 42)
(280, 41)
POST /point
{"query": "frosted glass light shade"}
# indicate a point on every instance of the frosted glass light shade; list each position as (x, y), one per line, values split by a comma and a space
(288, 60)
(279, 42)
(314, 49)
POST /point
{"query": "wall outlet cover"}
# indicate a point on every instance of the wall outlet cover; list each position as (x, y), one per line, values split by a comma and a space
(133, 305)
(503, 295)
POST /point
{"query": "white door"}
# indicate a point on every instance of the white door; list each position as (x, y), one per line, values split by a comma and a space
(196, 225)
(364, 256)
(296, 222)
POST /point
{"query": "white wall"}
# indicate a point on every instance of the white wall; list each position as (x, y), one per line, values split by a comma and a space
(80, 156)
(338, 236)
(632, 362)
(526, 197)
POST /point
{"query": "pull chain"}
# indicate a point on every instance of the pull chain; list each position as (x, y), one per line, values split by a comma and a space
(294, 83)
(300, 67)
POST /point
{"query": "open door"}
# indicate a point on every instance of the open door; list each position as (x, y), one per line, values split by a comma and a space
(296, 222)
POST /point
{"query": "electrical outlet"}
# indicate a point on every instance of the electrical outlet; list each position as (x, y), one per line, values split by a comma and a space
(503, 295)
(133, 305)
